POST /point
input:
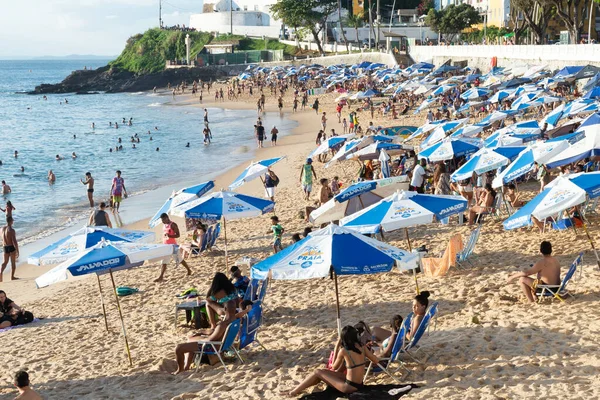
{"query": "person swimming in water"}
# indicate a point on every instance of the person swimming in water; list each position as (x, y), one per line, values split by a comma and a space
(73, 155)
(51, 177)
(16, 154)
(58, 157)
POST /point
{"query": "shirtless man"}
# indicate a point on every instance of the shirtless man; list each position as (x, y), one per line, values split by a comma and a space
(51, 177)
(89, 181)
(11, 248)
(5, 188)
(22, 384)
(547, 272)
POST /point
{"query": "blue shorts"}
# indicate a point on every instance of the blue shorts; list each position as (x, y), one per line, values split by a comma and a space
(277, 243)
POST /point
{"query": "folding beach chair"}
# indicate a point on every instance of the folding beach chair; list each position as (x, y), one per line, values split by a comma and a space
(218, 347)
(589, 207)
(463, 256)
(416, 336)
(398, 344)
(252, 291)
(206, 241)
(493, 210)
(203, 245)
(251, 323)
(559, 291)
(215, 236)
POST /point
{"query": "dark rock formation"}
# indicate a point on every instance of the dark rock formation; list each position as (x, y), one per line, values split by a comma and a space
(111, 80)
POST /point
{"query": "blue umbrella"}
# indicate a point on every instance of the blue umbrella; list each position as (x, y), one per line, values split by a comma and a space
(402, 210)
(372, 151)
(501, 95)
(443, 89)
(426, 128)
(328, 144)
(448, 149)
(441, 131)
(497, 116)
(592, 83)
(106, 257)
(444, 68)
(181, 196)
(85, 238)
(508, 138)
(253, 171)
(224, 205)
(475, 93)
(594, 93)
(486, 160)
(333, 250)
(587, 147)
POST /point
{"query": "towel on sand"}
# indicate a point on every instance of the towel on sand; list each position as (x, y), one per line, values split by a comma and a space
(368, 392)
(440, 266)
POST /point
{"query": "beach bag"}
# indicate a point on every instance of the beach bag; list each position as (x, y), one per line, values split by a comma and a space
(276, 181)
(126, 291)
(24, 317)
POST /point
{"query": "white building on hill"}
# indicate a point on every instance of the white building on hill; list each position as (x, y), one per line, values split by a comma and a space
(249, 17)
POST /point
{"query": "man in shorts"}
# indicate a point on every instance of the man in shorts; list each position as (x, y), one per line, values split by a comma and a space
(11, 248)
(118, 190)
(306, 177)
(260, 134)
(170, 235)
(89, 181)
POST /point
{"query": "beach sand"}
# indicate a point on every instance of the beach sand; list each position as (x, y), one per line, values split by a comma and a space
(485, 344)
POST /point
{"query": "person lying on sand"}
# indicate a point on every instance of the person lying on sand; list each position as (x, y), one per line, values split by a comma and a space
(353, 356)
(547, 272)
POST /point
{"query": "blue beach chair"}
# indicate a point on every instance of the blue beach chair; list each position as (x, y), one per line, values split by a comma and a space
(215, 236)
(559, 291)
(398, 344)
(412, 346)
(251, 323)
(204, 243)
(465, 254)
(218, 347)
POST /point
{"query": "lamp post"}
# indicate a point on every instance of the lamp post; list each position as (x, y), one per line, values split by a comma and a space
(187, 48)
(231, 17)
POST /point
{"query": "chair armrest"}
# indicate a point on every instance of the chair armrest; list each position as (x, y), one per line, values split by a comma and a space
(208, 342)
(548, 286)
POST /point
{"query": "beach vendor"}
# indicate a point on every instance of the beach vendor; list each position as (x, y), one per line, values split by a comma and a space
(118, 190)
(306, 177)
(170, 235)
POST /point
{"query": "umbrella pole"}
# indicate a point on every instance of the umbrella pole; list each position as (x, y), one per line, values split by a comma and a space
(410, 249)
(226, 255)
(102, 302)
(121, 316)
(592, 244)
(337, 304)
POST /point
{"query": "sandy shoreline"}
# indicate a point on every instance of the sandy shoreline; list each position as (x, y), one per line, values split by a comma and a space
(487, 343)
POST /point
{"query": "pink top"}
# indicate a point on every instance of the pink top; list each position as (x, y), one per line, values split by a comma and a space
(167, 230)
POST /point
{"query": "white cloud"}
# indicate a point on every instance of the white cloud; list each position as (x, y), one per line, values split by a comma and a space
(111, 17)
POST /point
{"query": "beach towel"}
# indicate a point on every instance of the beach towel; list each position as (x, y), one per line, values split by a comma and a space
(440, 266)
(126, 291)
(368, 392)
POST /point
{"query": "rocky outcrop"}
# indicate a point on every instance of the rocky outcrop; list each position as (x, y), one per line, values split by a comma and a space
(111, 80)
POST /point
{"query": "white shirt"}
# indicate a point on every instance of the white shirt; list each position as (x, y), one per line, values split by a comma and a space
(418, 174)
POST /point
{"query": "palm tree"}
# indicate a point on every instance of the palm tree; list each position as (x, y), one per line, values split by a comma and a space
(342, 26)
(356, 21)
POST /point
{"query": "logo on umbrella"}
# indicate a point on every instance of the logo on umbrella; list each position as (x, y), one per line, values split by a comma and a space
(557, 197)
(99, 264)
(309, 255)
(236, 207)
(404, 212)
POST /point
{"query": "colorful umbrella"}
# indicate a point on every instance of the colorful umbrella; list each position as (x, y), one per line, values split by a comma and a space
(181, 196)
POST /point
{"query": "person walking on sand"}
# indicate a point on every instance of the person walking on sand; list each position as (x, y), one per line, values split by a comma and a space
(306, 177)
(118, 190)
(89, 181)
(274, 133)
(22, 383)
(11, 248)
(170, 235)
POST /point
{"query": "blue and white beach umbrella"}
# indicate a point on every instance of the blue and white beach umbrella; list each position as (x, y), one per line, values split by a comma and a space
(181, 196)
(428, 127)
(328, 144)
(356, 197)
(507, 138)
(588, 146)
(107, 257)
(253, 171)
(333, 250)
(540, 152)
(443, 89)
(486, 160)
(402, 210)
(497, 116)
(372, 151)
(450, 148)
(348, 147)
(441, 131)
(224, 206)
(467, 131)
(501, 95)
(475, 93)
(83, 239)
(561, 194)
(426, 104)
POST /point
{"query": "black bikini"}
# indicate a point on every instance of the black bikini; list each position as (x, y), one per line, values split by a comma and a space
(355, 385)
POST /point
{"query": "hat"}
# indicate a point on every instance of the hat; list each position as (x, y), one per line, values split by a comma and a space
(309, 160)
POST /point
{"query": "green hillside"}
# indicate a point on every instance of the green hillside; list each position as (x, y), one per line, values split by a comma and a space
(148, 52)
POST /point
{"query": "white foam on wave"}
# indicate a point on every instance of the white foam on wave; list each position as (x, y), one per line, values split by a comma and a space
(154, 104)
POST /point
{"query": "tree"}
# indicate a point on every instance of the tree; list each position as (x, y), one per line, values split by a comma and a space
(341, 25)
(536, 16)
(355, 21)
(571, 13)
(452, 19)
(309, 14)
(424, 7)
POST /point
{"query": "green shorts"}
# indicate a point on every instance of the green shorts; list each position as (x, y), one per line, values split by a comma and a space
(116, 199)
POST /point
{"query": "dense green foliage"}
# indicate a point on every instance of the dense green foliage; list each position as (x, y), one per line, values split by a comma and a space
(452, 19)
(148, 52)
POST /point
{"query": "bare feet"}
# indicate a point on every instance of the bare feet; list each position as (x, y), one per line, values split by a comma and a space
(13, 278)
(159, 279)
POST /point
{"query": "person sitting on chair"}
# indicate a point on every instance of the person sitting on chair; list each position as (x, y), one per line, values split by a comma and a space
(484, 203)
(513, 197)
(221, 300)
(547, 272)
(352, 357)
(420, 304)
(194, 246)
(385, 338)
(240, 282)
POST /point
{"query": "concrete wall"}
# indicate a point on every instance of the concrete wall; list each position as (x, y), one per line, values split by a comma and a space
(329, 47)
(415, 32)
(555, 56)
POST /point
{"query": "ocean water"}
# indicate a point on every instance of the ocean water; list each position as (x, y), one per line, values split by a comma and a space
(40, 129)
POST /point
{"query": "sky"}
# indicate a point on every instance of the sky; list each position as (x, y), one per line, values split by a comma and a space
(32, 28)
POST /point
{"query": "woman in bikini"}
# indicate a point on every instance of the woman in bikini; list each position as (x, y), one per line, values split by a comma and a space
(420, 304)
(484, 203)
(352, 357)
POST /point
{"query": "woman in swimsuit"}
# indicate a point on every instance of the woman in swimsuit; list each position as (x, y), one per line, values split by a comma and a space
(352, 357)
(485, 202)
(385, 338)
(196, 243)
(9, 209)
(420, 304)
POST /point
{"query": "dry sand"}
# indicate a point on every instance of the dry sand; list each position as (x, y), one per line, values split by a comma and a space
(487, 343)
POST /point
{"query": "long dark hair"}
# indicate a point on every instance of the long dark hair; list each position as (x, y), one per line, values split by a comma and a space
(488, 186)
(220, 282)
(423, 298)
(350, 339)
(396, 323)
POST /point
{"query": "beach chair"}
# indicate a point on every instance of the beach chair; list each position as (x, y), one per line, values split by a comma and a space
(398, 344)
(215, 236)
(463, 256)
(203, 245)
(589, 207)
(559, 291)
(493, 210)
(218, 347)
(251, 323)
(411, 348)
(252, 291)
(207, 238)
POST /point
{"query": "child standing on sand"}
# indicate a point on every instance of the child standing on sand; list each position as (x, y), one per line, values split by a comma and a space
(277, 233)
